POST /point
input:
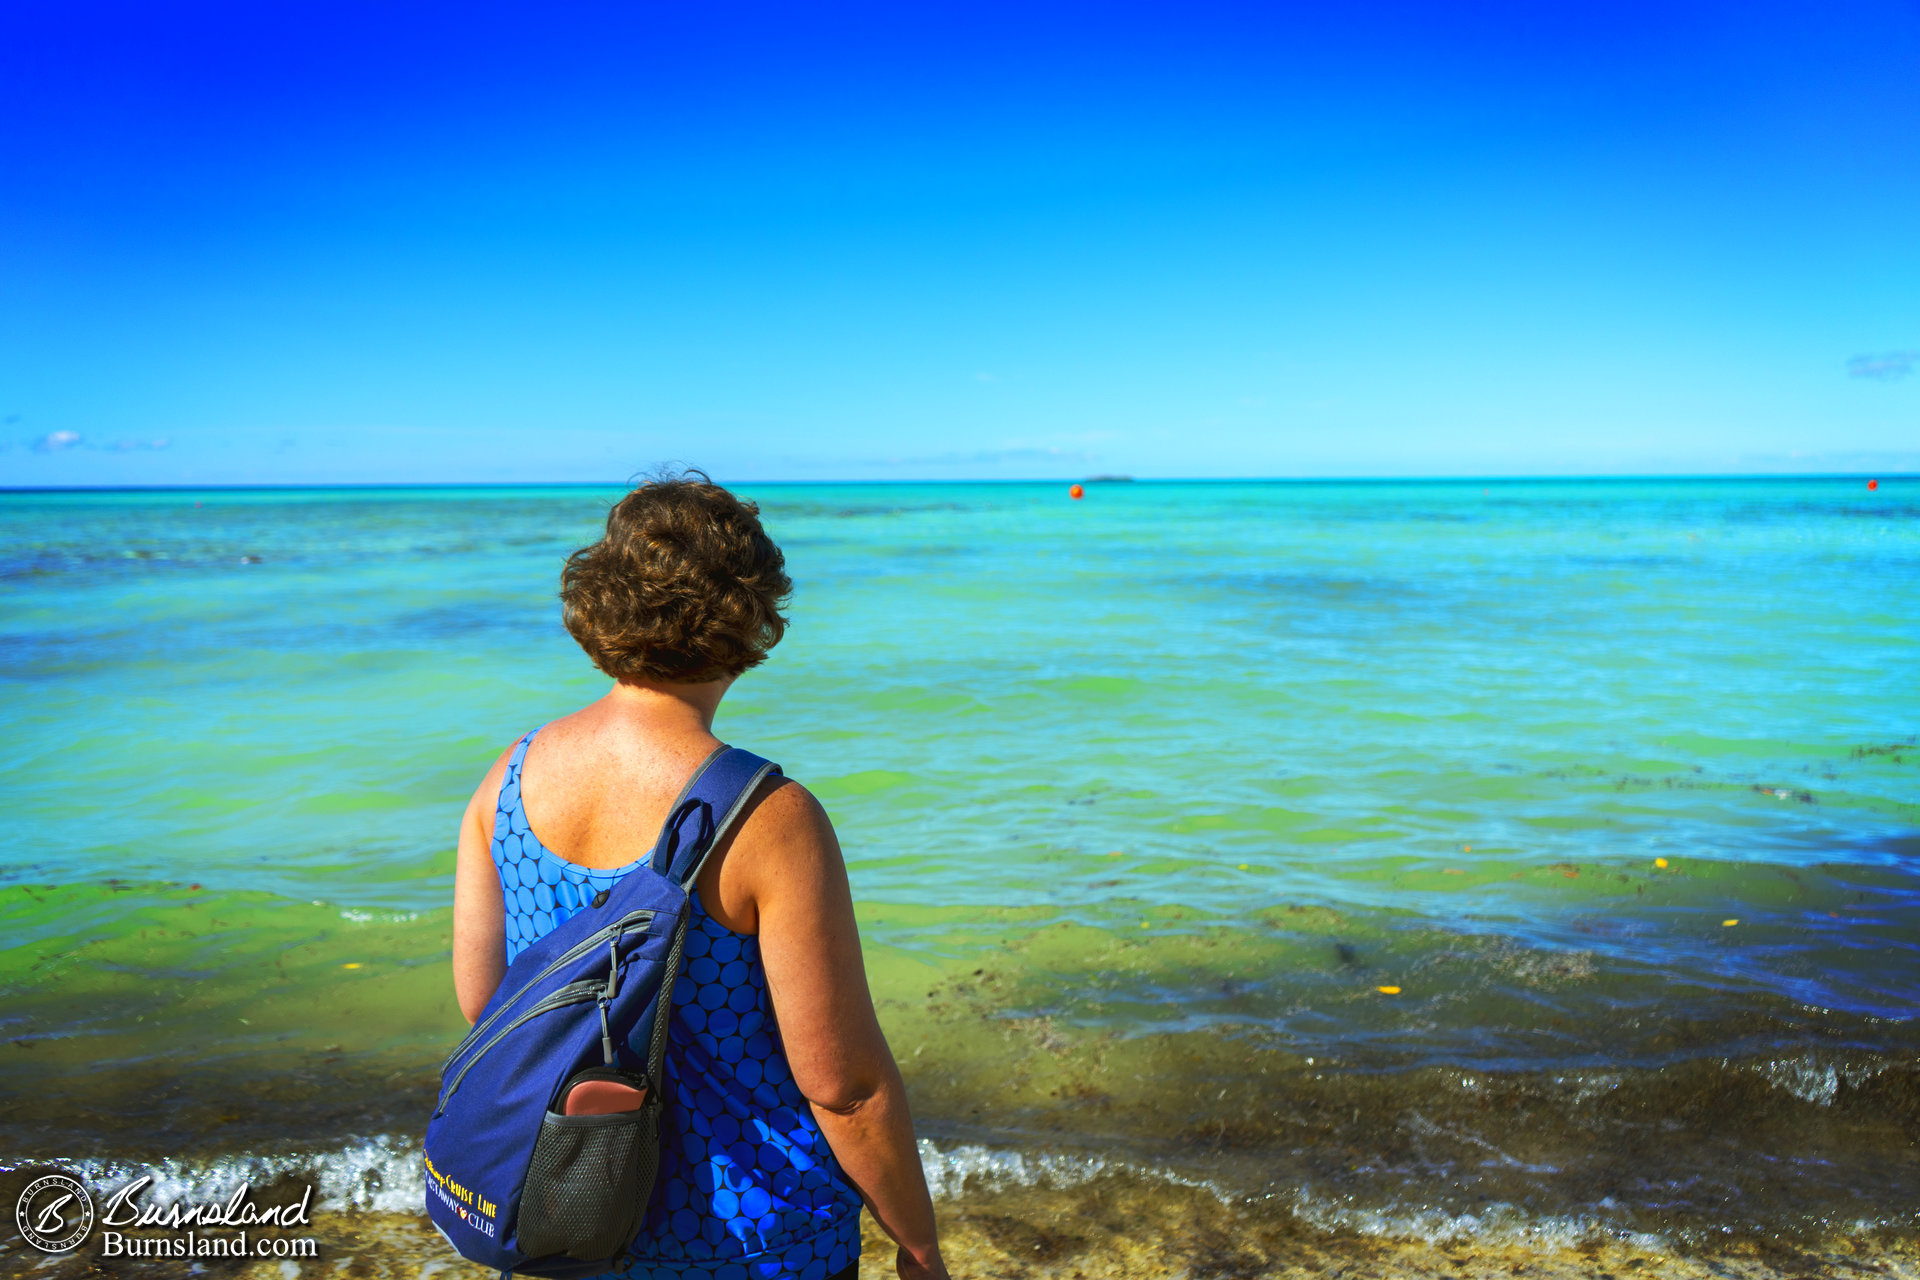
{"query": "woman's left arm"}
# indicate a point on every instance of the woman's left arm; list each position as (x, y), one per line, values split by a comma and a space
(810, 947)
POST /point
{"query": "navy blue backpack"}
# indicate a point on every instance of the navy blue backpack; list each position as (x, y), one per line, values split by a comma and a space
(512, 1181)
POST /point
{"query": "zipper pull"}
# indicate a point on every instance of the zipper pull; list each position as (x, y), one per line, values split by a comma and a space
(606, 997)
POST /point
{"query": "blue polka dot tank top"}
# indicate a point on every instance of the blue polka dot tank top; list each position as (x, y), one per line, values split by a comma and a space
(748, 1189)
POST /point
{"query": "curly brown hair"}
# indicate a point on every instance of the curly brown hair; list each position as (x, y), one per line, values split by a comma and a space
(685, 586)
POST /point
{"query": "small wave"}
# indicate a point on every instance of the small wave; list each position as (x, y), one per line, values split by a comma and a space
(1417, 1123)
(952, 1171)
(1586, 1086)
(378, 1175)
(354, 916)
(1815, 1080)
(1499, 1223)
(381, 1174)
(969, 1168)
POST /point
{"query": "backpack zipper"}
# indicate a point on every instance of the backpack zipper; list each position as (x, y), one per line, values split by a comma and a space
(572, 953)
(582, 992)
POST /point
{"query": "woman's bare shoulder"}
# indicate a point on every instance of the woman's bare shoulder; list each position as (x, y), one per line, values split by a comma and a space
(782, 843)
(784, 812)
(486, 796)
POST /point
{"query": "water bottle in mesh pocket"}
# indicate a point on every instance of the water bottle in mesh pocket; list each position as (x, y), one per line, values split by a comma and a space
(590, 1180)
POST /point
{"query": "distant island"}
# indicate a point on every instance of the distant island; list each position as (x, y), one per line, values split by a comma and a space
(1108, 480)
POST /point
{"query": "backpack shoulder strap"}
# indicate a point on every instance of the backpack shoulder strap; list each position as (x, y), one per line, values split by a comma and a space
(708, 807)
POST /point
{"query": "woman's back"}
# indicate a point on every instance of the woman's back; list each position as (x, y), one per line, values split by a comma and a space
(747, 1176)
(604, 779)
(781, 1095)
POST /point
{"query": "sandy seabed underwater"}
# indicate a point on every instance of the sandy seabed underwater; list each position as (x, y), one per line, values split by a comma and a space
(1257, 879)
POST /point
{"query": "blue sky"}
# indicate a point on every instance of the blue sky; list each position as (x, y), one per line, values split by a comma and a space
(334, 243)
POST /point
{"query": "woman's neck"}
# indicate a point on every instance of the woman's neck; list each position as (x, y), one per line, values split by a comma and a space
(665, 703)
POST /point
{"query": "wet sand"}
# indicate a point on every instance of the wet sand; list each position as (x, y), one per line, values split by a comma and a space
(1115, 1231)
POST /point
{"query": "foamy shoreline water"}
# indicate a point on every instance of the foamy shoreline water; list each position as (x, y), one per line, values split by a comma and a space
(1017, 1214)
(381, 1175)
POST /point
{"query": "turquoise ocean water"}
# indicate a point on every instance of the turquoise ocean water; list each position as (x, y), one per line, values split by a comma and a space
(1148, 801)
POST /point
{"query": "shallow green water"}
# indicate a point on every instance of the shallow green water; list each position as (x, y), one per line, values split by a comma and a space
(1187, 772)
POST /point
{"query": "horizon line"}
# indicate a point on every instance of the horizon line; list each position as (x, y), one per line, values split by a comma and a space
(315, 486)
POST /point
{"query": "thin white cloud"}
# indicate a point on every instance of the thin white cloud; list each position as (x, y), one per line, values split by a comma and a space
(61, 441)
(996, 456)
(1885, 367)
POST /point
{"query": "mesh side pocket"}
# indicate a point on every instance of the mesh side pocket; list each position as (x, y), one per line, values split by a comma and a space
(589, 1183)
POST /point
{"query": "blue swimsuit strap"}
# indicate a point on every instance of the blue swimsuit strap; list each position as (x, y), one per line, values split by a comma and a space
(520, 752)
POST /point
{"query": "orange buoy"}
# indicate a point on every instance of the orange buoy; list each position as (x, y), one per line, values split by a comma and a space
(1076, 493)
(1873, 484)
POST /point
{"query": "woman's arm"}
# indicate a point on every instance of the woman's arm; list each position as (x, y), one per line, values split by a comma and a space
(797, 882)
(479, 913)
